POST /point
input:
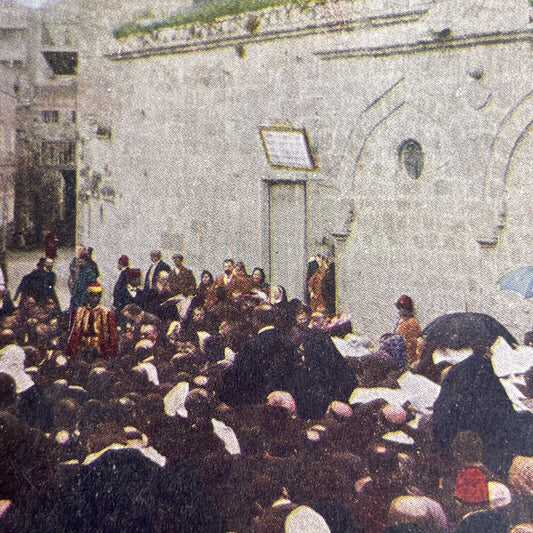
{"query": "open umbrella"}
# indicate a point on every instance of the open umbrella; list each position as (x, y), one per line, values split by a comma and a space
(463, 330)
(520, 280)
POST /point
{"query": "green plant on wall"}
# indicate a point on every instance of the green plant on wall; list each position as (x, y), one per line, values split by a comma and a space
(253, 24)
(205, 12)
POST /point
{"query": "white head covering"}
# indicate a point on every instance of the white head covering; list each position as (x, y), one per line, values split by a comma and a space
(12, 359)
(499, 495)
(419, 509)
(175, 400)
(227, 436)
(303, 519)
(150, 370)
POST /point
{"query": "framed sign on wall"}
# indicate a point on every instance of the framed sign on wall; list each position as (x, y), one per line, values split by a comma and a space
(288, 148)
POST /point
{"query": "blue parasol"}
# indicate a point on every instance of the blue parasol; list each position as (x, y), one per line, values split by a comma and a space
(520, 280)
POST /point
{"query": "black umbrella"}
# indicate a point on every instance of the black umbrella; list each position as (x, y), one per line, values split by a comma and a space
(463, 330)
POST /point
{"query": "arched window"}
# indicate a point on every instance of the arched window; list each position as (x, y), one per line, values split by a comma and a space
(412, 157)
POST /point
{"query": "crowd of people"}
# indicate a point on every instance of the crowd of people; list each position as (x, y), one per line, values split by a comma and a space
(225, 406)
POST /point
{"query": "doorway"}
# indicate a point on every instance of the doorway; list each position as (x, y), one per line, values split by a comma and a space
(287, 207)
(67, 231)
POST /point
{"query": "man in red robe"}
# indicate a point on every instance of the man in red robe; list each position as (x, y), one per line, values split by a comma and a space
(92, 328)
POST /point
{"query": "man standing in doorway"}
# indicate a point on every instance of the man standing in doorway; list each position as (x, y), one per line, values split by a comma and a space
(321, 283)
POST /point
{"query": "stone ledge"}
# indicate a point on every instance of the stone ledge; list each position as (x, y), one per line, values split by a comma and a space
(465, 41)
(272, 24)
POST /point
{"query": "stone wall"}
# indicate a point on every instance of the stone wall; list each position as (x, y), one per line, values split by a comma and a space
(188, 170)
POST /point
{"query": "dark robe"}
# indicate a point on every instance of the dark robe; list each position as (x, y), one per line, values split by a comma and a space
(156, 302)
(38, 284)
(472, 398)
(182, 282)
(6, 305)
(190, 328)
(84, 277)
(26, 463)
(124, 491)
(267, 363)
(120, 290)
(152, 274)
(329, 290)
(35, 409)
(323, 376)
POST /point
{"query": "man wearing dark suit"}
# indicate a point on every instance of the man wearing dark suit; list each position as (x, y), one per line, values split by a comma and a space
(130, 293)
(49, 279)
(156, 267)
(122, 281)
(267, 363)
(40, 283)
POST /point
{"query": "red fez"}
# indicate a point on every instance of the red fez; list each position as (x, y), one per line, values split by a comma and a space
(471, 485)
(405, 302)
(123, 260)
(133, 274)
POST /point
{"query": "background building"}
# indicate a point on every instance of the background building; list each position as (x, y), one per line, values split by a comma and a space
(14, 88)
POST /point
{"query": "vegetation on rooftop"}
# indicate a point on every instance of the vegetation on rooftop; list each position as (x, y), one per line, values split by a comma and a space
(205, 12)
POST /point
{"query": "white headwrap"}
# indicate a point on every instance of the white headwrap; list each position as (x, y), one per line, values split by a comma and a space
(12, 359)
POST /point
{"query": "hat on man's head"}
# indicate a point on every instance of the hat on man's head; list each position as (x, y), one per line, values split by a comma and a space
(95, 287)
(471, 485)
(340, 410)
(405, 302)
(123, 260)
(133, 274)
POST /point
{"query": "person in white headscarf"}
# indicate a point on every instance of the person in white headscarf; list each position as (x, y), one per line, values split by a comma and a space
(33, 407)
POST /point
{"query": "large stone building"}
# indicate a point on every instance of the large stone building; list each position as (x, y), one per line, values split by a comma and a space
(13, 52)
(39, 129)
(418, 115)
(39, 62)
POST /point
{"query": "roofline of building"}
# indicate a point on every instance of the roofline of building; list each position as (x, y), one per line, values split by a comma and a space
(436, 44)
(245, 39)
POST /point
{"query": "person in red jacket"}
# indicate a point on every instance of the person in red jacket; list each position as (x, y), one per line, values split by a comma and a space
(92, 328)
(50, 244)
